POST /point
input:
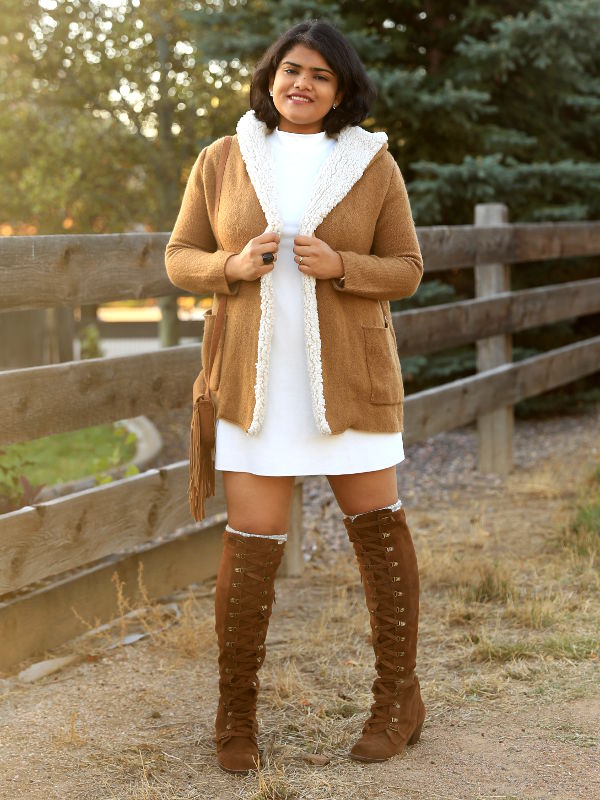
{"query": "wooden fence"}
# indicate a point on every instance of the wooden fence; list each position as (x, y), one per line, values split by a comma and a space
(57, 557)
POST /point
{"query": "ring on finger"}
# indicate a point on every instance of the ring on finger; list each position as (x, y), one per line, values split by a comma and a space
(300, 259)
(267, 258)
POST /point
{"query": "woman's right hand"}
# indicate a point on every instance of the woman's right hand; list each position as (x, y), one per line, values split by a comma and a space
(248, 265)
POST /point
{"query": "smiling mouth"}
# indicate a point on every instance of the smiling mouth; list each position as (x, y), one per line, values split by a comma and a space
(297, 99)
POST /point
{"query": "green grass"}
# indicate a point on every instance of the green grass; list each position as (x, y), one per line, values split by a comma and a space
(582, 536)
(491, 585)
(575, 648)
(65, 457)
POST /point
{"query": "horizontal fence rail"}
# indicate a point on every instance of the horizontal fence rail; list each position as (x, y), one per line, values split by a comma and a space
(426, 330)
(59, 534)
(57, 557)
(63, 397)
(45, 271)
(457, 403)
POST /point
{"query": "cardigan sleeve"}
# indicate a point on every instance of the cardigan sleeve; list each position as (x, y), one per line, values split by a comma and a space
(192, 258)
(394, 267)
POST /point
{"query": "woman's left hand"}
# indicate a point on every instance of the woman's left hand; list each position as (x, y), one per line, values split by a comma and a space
(318, 259)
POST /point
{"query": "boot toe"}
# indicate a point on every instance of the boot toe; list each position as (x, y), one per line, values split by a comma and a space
(238, 755)
(373, 747)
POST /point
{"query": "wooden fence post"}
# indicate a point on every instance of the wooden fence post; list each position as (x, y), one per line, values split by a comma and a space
(293, 561)
(168, 327)
(496, 428)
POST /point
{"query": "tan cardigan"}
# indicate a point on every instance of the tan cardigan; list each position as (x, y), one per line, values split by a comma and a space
(360, 208)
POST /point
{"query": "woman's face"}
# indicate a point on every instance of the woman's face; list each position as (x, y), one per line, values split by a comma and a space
(305, 72)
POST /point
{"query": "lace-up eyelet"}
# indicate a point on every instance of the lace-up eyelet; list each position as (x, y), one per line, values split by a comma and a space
(385, 535)
(240, 555)
(398, 594)
(238, 569)
(228, 726)
(264, 608)
(399, 610)
(399, 669)
(389, 549)
(396, 578)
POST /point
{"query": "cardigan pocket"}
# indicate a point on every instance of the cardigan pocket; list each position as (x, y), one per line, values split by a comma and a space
(384, 365)
(209, 326)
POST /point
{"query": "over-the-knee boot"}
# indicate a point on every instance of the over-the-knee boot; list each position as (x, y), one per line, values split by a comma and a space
(244, 597)
(389, 572)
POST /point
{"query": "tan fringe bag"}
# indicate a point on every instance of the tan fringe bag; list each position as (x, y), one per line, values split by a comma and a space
(203, 426)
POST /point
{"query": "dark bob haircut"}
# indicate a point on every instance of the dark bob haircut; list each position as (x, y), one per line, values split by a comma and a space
(359, 91)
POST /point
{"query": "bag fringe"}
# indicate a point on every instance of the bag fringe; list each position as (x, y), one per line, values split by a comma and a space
(202, 456)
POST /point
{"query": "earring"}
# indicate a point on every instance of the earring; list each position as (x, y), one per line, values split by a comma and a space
(271, 93)
(334, 106)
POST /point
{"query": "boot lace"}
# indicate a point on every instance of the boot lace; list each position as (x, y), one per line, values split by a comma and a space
(376, 556)
(248, 617)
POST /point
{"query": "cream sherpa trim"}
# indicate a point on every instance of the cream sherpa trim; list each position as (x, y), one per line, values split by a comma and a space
(343, 167)
(345, 164)
(257, 158)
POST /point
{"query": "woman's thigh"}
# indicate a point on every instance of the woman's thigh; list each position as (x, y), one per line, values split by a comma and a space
(364, 491)
(258, 503)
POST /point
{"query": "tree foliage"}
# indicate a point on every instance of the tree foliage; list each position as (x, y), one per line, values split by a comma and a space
(481, 101)
(116, 99)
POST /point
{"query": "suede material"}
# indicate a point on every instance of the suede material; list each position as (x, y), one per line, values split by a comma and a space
(372, 229)
(244, 596)
(390, 576)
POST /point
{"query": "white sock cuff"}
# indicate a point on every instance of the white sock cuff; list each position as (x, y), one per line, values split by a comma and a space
(281, 537)
(394, 507)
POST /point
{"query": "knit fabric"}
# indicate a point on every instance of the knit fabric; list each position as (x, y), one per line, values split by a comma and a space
(290, 443)
(360, 208)
(394, 507)
(280, 537)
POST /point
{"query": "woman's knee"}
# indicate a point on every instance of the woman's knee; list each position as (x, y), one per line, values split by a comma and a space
(257, 503)
(359, 492)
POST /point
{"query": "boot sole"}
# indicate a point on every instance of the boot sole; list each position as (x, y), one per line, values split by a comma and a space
(236, 771)
(414, 738)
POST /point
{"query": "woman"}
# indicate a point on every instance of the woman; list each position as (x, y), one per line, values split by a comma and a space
(316, 236)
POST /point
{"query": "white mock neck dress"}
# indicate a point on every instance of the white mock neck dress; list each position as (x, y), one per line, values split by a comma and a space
(289, 442)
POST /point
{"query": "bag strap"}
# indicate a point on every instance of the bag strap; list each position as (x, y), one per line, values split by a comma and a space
(223, 298)
(219, 183)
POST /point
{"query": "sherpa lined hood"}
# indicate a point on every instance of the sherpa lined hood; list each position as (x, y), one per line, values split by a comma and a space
(355, 148)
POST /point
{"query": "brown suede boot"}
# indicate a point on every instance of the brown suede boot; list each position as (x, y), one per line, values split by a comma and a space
(389, 572)
(244, 597)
